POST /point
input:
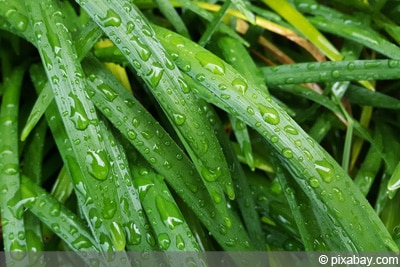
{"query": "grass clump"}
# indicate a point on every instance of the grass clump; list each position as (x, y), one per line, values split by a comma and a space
(199, 126)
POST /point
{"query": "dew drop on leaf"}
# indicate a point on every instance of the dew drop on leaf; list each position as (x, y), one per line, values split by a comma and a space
(155, 74)
(97, 164)
(180, 242)
(117, 236)
(217, 197)
(111, 19)
(287, 153)
(325, 170)
(78, 114)
(290, 130)
(109, 209)
(314, 182)
(211, 63)
(211, 175)
(17, 250)
(240, 85)
(163, 241)
(81, 243)
(143, 185)
(55, 210)
(169, 212)
(270, 115)
(142, 49)
(179, 118)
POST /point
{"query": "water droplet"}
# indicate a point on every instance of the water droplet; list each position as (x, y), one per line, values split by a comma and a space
(274, 138)
(117, 236)
(179, 118)
(289, 80)
(111, 19)
(192, 187)
(270, 115)
(134, 236)
(17, 250)
(146, 30)
(109, 209)
(130, 26)
(143, 185)
(78, 114)
(287, 153)
(211, 175)
(211, 63)
(338, 194)
(240, 85)
(393, 63)
(180, 242)
(222, 229)
(17, 18)
(290, 130)
(314, 182)
(200, 77)
(217, 197)
(311, 66)
(135, 121)
(325, 170)
(107, 91)
(82, 243)
(10, 169)
(55, 210)
(310, 141)
(169, 212)
(351, 66)
(225, 96)
(163, 241)
(155, 74)
(184, 86)
(55, 227)
(372, 64)
(98, 164)
(231, 242)
(335, 74)
(132, 135)
(250, 110)
(222, 87)
(142, 49)
(146, 135)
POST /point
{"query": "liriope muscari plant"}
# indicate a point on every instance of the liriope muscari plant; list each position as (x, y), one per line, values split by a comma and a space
(201, 136)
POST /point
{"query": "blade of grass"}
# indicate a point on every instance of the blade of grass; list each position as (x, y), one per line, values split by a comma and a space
(13, 227)
(353, 70)
(33, 157)
(242, 6)
(266, 117)
(360, 96)
(197, 8)
(287, 11)
(368, 171)
(212, 27)
(168, 10)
